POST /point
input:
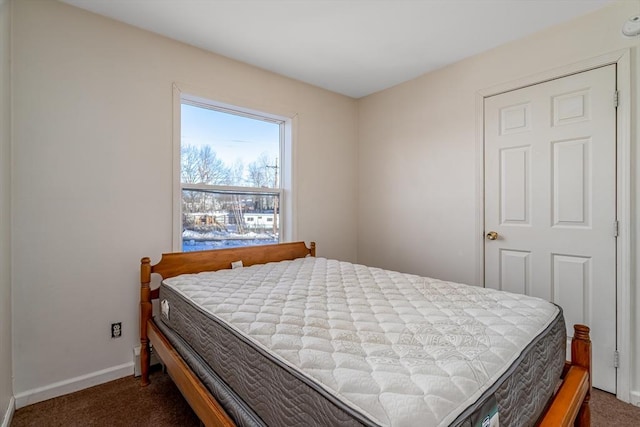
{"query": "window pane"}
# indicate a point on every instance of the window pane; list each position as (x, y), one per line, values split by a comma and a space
(215, 220)
(220, 148)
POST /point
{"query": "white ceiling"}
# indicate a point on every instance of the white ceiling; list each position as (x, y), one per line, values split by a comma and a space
(353, 47)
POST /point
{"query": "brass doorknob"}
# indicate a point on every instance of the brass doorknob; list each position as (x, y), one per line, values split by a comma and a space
(492, 235)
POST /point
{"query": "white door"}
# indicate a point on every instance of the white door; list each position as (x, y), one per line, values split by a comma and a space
(550, 195)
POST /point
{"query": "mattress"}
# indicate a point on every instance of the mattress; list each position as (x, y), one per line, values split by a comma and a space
(322, 342)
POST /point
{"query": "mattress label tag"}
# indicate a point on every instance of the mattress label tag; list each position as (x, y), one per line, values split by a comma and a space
(236, 264)
(487, 414)
(164, 306)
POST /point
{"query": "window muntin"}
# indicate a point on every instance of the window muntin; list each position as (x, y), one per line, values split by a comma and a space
(230, 177)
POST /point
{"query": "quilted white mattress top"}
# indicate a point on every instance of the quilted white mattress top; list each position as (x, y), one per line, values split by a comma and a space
(401, 349)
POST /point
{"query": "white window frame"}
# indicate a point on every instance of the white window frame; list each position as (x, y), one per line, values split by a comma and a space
(287, 123)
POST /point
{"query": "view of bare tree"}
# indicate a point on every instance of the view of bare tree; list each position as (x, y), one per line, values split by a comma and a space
(236, 173)
(261, 172)
(200, 165)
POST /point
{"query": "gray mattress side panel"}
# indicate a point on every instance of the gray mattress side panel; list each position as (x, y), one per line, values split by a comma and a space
(276, 395)
(235, 407)
(523, 392)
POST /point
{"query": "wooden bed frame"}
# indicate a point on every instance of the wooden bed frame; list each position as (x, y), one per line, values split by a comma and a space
(569, 406)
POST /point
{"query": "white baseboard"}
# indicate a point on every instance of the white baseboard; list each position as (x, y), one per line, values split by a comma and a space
(8, 415)
(61, 388)
(635, 398)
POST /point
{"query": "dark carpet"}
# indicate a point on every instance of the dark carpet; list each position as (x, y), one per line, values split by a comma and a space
(117, 403)
(124, 403)
(606, 411)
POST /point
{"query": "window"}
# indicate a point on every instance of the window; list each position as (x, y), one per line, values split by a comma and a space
(234, 176)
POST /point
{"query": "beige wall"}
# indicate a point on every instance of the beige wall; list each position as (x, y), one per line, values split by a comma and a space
(417, 151)
(93, 154)
(5, 209)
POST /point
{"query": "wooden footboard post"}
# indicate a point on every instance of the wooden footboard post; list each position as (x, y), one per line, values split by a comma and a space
(581, 356)
(145, 314)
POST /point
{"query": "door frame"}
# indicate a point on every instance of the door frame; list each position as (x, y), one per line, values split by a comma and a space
(622, 60)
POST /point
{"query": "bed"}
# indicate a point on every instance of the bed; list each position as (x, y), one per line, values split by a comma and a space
(238, 363)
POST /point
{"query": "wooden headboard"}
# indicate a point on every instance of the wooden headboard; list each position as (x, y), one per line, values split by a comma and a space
(174, 264)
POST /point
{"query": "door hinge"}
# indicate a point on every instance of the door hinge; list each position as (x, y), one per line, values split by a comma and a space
(616, 228)
(616, 359)
(616, 99)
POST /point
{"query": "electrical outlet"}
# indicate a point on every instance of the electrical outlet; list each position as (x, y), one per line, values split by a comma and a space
(116, 330)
